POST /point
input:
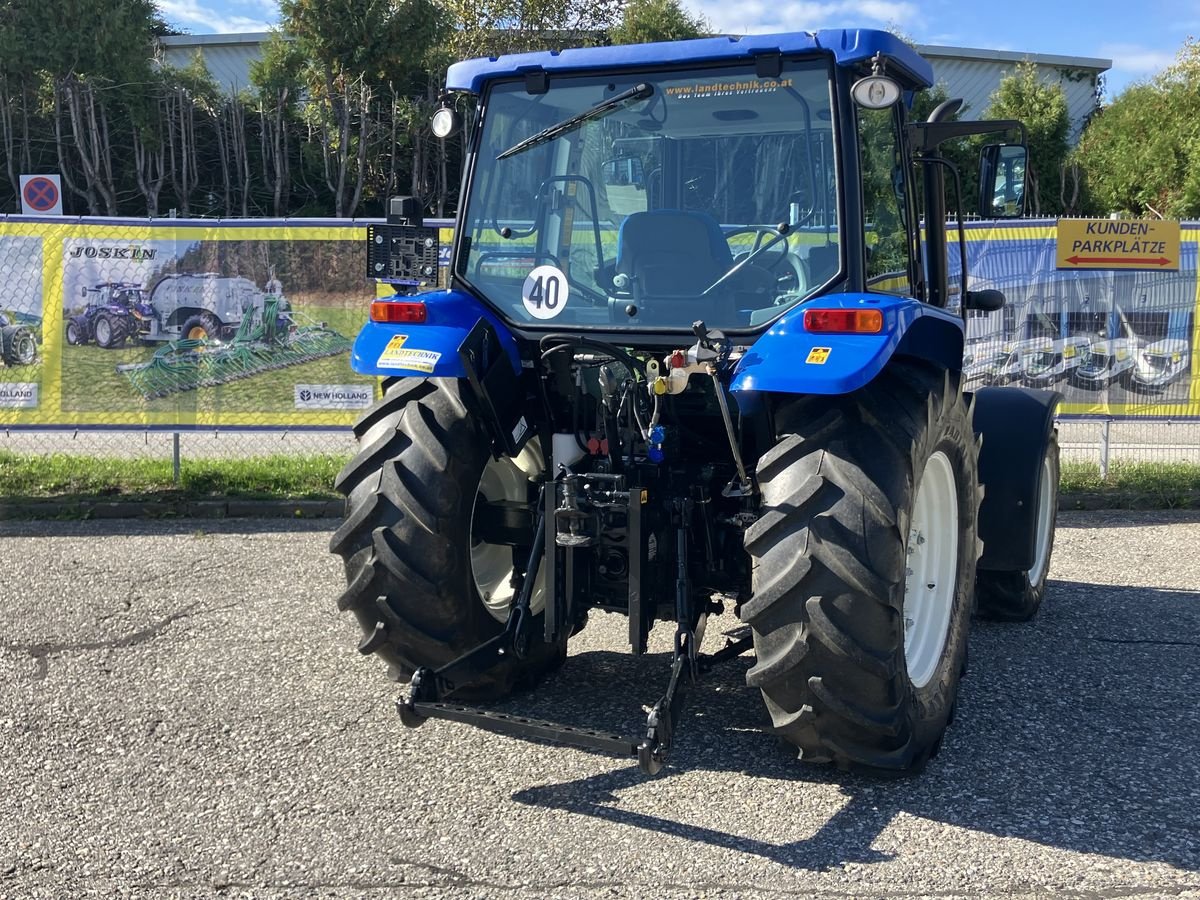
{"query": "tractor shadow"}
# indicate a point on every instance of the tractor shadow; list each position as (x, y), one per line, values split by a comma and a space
(1078, 731)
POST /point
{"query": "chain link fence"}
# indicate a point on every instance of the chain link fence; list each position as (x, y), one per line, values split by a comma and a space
(1099, 442)
(182, 340)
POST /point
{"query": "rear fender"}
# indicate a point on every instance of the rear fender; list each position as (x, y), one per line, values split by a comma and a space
(790, 360)
(1015, 424)
(430, 348)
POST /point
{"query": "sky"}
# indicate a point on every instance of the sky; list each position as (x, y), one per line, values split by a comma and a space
(1139, 37)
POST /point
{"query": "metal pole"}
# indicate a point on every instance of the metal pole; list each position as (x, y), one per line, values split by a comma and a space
(175, 456)
(1105, 434)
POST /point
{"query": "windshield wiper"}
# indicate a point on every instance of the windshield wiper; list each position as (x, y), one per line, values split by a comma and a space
(637, 92)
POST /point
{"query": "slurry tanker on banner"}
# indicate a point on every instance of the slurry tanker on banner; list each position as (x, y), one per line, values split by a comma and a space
(182, 323)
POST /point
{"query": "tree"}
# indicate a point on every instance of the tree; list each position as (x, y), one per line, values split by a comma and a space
(1025, 96)
(277, 80)
(646, 21)
(485, 27)
(357, 52)
(1141, 153)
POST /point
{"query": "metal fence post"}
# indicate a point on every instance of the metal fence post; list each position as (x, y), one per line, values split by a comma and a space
(175, 456)
(1105, 434)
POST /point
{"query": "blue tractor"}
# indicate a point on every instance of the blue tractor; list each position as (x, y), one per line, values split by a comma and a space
(110, 315)
(697, 354)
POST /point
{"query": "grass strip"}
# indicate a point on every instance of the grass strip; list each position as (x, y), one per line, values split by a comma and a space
(1165, 485)
(310, 476)
(61, 475)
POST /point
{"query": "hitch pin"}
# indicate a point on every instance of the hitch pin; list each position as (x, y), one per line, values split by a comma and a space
(733, 445)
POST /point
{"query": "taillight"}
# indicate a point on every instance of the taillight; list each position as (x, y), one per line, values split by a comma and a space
(398, 311)
(843, 321)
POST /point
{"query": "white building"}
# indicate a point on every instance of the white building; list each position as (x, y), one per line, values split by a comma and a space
(969, 73)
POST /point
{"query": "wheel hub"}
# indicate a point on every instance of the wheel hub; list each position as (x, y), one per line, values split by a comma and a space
(1045, 514)
(505, 479)
(932, 569)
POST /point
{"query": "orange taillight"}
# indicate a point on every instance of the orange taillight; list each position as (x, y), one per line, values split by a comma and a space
(843, 321)
(406, 312)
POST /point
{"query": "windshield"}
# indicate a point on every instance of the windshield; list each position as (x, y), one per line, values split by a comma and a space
(1040, 362)
(702, 194)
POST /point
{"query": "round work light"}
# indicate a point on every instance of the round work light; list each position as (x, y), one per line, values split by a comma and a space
(875, 92)
(445, 122)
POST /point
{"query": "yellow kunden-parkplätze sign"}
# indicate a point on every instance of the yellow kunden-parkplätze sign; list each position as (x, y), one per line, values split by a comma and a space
(1118, 244)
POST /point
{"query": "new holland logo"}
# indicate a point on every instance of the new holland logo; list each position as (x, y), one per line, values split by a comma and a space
(130, 251)
(334, 396)
(18, 395)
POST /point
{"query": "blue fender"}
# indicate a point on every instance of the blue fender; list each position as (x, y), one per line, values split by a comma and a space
(790, 360)
(430, 348)
(1015, 424)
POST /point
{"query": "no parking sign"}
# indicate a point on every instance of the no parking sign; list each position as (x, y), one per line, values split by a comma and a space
(41, 195)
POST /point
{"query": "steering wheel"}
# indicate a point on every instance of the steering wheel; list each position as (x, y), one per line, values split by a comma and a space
(788, 269)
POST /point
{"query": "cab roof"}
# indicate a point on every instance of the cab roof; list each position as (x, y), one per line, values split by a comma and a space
(849, 47)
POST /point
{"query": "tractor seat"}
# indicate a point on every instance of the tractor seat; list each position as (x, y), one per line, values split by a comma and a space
(671, 254)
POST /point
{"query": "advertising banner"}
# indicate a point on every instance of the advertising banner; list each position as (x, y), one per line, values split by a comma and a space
(248, 324)
(183, 323)
(1116, 342)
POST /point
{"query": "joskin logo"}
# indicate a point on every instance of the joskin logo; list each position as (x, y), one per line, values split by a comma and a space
(131, 251)
(333, 396)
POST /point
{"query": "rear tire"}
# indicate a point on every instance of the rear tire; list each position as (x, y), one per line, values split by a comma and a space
(1017, 596)
(110, 331)
(407, 543)
(831, 552)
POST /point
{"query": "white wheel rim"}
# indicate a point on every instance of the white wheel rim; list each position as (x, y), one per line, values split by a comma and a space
(1045, 513)
(932, 571)
(492, 564)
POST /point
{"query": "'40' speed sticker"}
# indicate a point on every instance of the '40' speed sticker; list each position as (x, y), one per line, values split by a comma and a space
(545, 292)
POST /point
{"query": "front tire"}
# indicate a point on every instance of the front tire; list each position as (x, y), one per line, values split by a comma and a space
(18, 346)
(861, 493)
(414, 569)
(1017, 596)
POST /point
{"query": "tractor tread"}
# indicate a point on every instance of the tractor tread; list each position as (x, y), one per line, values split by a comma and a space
(829, 560)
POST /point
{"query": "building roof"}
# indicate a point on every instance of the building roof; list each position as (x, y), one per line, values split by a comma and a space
(934, 51)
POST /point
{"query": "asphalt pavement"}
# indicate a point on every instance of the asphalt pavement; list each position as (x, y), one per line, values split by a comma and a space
(184, 713)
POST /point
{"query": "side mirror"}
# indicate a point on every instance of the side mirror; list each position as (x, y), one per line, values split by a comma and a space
(987, 300)
(1002, 181)
(624, 171)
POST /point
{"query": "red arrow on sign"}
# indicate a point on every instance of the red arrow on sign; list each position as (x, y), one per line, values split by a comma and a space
(1076, 260)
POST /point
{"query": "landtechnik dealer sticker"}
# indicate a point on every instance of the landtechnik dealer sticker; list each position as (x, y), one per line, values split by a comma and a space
(396, 356)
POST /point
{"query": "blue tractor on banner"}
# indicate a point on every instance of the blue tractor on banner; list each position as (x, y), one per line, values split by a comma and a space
(697, 355)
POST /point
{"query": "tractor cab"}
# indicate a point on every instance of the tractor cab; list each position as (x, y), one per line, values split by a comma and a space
(630, 189)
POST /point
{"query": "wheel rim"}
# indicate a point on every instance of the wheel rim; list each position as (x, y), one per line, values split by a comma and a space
(492, 564)
(197, 333)
(931, 574)
(25, 349)
(103, 331)
(1045, 513)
